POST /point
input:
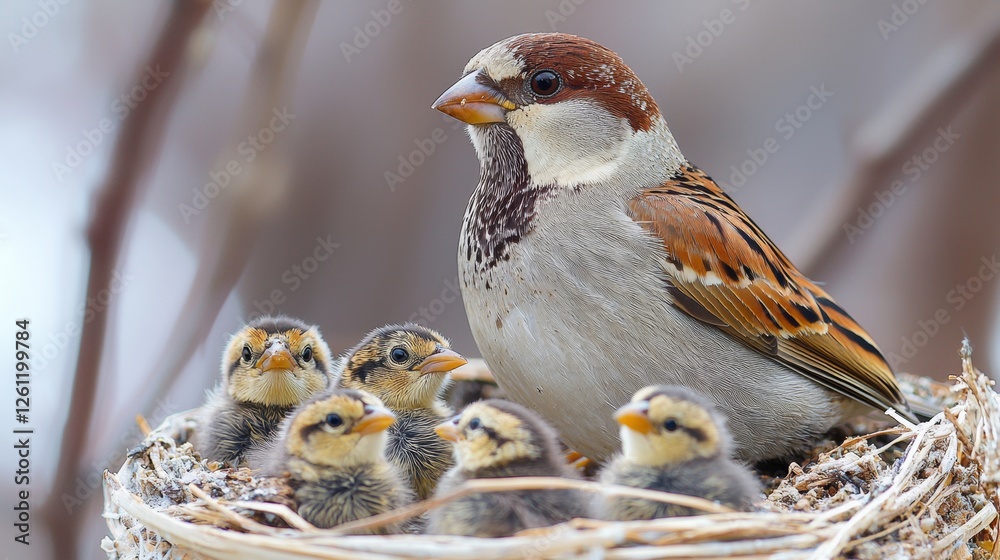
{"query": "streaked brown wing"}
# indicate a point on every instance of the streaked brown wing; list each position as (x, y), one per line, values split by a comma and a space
(726, 272)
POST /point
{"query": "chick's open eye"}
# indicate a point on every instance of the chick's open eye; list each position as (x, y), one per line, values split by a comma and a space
(399, 355)
(307, 354)
(670, 425)
(247, 354)
(475, 424)
(334, 420)
(545, 83)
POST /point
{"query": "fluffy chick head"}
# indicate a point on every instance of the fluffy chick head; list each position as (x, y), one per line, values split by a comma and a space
(494, 433)
(670, 425)
(339, 429)
(277, 361)
(405, 366)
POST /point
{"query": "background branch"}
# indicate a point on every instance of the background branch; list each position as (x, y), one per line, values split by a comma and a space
(256, 194)
(896, 132)
(140, 137)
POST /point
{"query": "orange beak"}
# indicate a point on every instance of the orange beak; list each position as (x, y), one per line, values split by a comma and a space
(474, 103)
(448, 430)
(635, 416)
(276, 357)
(376, 419)
(441, 361)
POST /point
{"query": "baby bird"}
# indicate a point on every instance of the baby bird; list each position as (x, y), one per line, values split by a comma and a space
(407, 366)
(332, 450)
(270, 366)
(495, 439)
(673, 441)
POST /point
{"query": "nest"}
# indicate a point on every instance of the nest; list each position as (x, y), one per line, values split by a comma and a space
(923, 491)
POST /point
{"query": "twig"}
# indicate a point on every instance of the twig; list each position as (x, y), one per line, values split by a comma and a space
(526, 483)
(229, 515)
(858, 439)
(138, 139)
(891, 413)
(969, 529)
(282, 511)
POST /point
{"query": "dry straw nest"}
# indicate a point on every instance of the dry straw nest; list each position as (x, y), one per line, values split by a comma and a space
(864, 498)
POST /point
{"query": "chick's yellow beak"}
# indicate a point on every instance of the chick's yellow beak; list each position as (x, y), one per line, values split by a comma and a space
(472, 102)
(635, 416)
(376, 419)
(448, 430)
(276, 357)
(441, 361)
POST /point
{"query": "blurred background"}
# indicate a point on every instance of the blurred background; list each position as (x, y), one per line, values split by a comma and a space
(282, 157)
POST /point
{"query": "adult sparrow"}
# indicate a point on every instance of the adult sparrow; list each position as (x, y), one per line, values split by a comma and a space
(596, 260)
(673, 441)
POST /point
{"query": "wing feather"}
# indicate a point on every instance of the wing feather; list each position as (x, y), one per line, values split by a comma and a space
(724, 271)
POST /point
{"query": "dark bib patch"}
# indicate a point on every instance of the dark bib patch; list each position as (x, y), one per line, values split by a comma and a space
(502, 208)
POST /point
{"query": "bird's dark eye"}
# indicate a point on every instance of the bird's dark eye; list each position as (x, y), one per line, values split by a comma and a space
(247, 354)
(475, 424)
(334, 420)
(307, 354)
(545, 83)
(670, 425)
(399, 355)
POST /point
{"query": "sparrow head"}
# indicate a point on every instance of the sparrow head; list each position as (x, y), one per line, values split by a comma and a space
(276, 361)
(494, 433)
(575, 106)
(670, 425)
(405, 366)
(339, 429)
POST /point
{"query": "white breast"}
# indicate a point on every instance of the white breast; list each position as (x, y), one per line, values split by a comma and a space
(578, 319)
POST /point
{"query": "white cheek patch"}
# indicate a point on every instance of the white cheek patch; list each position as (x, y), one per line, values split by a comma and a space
(570, 143)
